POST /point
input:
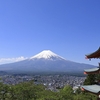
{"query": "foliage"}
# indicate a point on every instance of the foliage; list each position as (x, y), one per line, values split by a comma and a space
(30, 91)
(90, 80)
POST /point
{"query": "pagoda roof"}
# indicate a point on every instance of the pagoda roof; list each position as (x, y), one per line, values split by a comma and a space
(92, 88)
(95, 54)
(92, 70)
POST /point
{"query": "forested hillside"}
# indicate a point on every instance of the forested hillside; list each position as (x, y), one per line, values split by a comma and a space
(30, 91)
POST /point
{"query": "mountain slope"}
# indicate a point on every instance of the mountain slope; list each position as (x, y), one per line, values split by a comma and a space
(46, 61)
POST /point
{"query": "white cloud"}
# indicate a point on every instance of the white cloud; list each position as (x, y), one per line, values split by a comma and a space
(10, 60)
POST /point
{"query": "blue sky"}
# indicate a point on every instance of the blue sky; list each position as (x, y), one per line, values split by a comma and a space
(69, 28)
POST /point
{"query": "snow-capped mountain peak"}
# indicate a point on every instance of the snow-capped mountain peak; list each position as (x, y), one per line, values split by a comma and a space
(46, 54)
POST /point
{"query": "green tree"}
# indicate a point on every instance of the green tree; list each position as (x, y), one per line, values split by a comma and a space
(4, 94)
(27, 91)
(90, 79)
(66, 93)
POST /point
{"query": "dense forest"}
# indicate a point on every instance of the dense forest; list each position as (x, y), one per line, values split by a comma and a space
(31, 91)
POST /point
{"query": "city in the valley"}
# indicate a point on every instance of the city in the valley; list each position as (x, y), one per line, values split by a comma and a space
(52, 82)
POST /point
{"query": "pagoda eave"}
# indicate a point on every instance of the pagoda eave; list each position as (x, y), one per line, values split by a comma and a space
(95, 89)
(95, 54)
(92, 71)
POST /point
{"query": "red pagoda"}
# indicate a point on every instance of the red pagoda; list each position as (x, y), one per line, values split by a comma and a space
(95, 89)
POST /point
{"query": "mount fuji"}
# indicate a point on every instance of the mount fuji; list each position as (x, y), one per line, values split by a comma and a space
(45, 61)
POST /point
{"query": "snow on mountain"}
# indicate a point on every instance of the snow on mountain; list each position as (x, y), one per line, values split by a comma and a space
(46, 54)
(45, 61)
